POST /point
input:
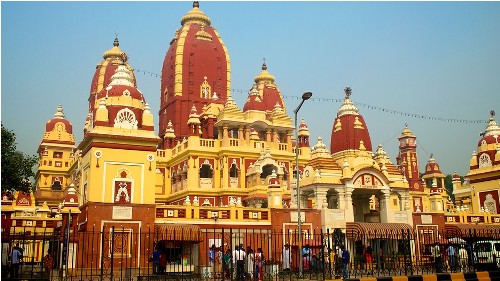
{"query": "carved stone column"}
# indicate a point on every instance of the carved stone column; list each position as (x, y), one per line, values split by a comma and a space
(384, 206)
(349, 208)
(320, 199)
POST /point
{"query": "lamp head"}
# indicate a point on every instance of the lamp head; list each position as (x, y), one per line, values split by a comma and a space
(307, 95)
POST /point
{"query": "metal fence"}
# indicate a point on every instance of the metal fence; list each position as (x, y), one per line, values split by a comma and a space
(121, 254)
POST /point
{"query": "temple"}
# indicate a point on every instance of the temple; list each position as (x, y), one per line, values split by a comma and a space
(215, 165)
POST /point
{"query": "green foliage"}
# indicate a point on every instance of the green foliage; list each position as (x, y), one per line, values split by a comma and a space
(17, 167)
(448, 185)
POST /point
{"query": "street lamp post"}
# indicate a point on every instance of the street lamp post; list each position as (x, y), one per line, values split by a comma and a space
(305, 96)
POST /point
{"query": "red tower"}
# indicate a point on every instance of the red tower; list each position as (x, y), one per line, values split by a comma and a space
(407, 159)
(196, 72)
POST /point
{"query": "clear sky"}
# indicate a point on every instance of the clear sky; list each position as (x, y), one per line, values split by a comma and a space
(438, 59)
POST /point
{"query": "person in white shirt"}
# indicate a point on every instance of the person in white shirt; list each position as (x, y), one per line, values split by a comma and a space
(286, 258)
(239, 259)
(464, 257)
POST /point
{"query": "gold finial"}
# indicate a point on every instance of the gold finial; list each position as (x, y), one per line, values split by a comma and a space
(196, 4)
(264, 66)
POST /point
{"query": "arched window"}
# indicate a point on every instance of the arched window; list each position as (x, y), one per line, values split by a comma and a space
(267, 170)
(56, 185)
(233, 171)
(125, 119)
(206, 171)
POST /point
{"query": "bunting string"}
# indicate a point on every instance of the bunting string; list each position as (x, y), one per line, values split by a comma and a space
(358, 104)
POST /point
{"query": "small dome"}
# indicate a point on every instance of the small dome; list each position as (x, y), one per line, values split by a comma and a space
(105, 69)
(303, 129)
(456, 176)
(406, 132)
(264, 76)
(432, 169)
(254, 101)
(114, 52)
(196, 15)
(492, 133)
(59, 124)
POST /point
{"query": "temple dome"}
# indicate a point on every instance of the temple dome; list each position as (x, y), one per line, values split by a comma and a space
(349, 128)
(59, 129)
(196, 69)
(432, 169)
(105, 69)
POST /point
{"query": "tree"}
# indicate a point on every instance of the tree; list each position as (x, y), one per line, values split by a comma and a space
(448, 184)
(17, 167)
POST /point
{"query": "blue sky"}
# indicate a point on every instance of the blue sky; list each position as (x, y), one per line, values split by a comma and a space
(439, 59)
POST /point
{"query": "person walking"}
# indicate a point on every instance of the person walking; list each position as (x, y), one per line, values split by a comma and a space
(15, 259)
(346, 257)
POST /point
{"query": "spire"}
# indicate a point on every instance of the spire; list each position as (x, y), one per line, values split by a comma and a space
(115, 51)
(264, 75)
(122, 76)
(348, 106)
(59, 114)
(195, 16)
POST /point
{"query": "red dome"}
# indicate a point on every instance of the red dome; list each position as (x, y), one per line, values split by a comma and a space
(196, 70)
(59, 118)
(432, 169)
(120, 91)
(349, 128)
(488, 140)
(105, 69)
(254, 101)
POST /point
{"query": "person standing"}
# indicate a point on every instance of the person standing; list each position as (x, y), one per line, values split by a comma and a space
(156, 260)
(346, 257)
(450, 251)
(227, 264)
(249, 263)
(239, 259)
(15, 259)
(48, 263)
(464, 258)
(218, 261)
(259, 260)
(306, 257)
(286, 258)
(369, 258)
(436, 255)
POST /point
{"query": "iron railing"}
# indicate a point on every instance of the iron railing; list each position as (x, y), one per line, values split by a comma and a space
(121, 254)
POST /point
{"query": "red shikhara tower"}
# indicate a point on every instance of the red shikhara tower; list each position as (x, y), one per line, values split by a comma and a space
(196, 72)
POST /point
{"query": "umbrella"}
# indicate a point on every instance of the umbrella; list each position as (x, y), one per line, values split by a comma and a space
(456, 240)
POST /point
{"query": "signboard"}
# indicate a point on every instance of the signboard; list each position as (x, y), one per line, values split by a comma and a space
(120, 212)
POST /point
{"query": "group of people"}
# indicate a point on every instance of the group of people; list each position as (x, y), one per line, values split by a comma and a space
(247, 263)
(457, 257)
(159, 261)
